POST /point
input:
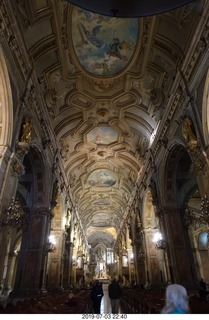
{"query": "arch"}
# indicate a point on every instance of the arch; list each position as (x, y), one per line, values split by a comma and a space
(179, 181)
(6, 111)
(202, 247)
(203, 240)
(33, 184)
(205, 110)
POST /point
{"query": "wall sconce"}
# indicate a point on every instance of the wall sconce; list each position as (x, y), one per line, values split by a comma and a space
(124, 261)
(51, 244)
(159, 242)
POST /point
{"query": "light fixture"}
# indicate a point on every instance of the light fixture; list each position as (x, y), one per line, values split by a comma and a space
(159, 242)
(197, 216)
(51, 244)
(16, 215)
(131, 8)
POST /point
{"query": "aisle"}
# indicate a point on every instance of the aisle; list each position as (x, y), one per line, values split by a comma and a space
(105, 304)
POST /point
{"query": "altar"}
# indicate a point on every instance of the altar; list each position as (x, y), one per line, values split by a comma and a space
(100, 270)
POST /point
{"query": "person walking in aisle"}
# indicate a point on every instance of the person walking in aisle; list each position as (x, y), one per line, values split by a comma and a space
(96, 296)
(114, 292)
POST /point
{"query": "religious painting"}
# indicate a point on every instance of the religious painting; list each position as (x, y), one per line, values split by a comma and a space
(102, 178)
(102, 135)
(103, 45)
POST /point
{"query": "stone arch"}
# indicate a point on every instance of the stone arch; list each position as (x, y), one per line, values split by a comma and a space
(13, 259)
(203, 242)
(6, 112)
(177, 174)
(205, 110)
(203, 238)
(178, 185)
(34, 190)
(34, 185)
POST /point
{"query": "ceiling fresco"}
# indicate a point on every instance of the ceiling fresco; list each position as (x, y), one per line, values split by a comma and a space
(102, 178)
(105, 83)
(104, 46)
(102, 135)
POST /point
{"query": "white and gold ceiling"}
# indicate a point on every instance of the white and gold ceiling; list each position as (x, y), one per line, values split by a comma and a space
(105, 81)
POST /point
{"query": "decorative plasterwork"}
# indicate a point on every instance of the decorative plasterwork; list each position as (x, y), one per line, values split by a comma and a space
(131, 102)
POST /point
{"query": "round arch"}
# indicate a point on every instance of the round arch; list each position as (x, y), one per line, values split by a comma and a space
(6, 111)
(205, 110)
(33, 184)
(179, 181)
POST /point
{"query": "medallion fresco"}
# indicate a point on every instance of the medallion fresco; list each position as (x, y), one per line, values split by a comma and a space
(102, 135)
(103, 44)
(102, 178)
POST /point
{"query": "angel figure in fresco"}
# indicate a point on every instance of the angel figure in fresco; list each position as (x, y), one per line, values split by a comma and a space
(115, 49)
(90, 35)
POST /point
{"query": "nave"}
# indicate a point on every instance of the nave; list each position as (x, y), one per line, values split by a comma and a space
(104, 155)
(105, 303)
(133, 301)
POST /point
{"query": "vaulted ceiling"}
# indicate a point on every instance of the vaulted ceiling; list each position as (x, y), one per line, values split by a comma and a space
(105, 83)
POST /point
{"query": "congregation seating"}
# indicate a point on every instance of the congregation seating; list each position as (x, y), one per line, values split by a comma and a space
(53, 303)
(134, 301)
(197, 306)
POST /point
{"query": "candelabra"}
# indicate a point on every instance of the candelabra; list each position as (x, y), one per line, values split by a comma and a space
(198, 216)
(15, 215)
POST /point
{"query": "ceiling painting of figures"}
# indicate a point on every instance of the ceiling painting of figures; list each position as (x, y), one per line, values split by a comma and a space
(102, 135)
(102, 178)
(103, 45)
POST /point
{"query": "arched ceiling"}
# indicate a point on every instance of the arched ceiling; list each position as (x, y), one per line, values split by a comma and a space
(105, 82)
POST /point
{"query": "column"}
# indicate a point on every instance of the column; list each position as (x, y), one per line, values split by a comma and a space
(30, 268)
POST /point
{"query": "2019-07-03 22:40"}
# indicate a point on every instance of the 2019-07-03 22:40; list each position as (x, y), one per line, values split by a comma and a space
(104, 316)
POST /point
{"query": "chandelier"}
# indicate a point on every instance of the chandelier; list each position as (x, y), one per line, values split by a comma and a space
(15, 215)
(131, 8)
(198, 216)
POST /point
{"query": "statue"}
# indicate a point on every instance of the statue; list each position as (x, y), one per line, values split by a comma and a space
(100, 270)
(188, 131)
(26, 135)
(55, 191)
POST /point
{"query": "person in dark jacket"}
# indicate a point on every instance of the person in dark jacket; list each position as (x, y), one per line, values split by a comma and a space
(96, 296)
(114, 291)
